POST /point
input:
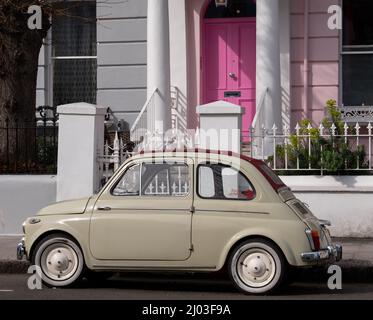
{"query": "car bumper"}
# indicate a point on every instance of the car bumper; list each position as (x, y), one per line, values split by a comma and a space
(21, 250)
(331, 254)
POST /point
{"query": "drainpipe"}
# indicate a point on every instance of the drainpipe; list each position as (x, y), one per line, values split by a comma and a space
(306, 70)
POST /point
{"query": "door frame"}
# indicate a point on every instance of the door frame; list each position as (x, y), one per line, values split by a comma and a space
(204, 23)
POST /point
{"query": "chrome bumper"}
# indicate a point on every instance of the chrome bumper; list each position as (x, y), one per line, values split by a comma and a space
(331, 254)
(21, 250)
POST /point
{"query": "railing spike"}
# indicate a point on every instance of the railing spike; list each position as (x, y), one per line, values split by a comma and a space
(321, 129)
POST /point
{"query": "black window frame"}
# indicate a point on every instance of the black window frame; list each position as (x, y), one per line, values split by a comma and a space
(352, 51)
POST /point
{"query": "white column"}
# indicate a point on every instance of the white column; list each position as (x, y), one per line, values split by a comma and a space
(285, 60)
(80, 140)
(159, 64)
(268, 74)
(178, 58)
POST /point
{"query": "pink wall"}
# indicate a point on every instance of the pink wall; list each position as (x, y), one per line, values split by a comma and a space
(310, 92)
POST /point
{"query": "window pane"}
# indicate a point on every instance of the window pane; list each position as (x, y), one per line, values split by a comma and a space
(74, 29)
(206, 186)
(357, 22)
(74, 81)
(165, 179)
(235, 185)
(357, 80)
(129, 185)
(179, 180)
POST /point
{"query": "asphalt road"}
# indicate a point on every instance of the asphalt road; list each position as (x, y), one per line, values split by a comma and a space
(172, 287)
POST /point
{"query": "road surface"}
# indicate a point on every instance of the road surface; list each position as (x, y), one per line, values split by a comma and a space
(172, 287)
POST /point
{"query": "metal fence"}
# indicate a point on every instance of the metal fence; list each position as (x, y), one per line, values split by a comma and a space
(114, 155)
(331, 149)
(30, 147)
(335, 149)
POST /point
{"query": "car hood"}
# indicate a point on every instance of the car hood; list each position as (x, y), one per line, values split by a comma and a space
(65, 207)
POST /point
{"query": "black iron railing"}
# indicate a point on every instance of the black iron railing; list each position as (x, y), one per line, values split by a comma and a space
(30, 146)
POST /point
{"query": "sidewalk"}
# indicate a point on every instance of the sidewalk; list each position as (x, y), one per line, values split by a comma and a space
(357, 263)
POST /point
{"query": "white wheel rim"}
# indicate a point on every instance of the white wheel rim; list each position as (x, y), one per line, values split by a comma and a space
(256, 267)
(59, 261)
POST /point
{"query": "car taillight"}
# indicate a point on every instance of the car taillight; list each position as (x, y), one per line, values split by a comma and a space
(314, 238)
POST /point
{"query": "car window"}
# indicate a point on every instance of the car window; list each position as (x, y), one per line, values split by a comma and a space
(235, 185)
(206, 182)
(165, 179)
(156, 179)
(129, 184)
(217, 181)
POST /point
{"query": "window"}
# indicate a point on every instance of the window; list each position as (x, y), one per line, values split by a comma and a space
(216, 181)
(129, 185)
(357, 52)
(165, 179)
(234, 9)
(206, 187)
(74, 52)
(157, 179)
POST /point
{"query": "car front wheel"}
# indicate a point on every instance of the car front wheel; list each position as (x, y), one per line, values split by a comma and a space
(257, 267)
(60, 260)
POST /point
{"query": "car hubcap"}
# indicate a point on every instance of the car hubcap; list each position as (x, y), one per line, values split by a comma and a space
(59, 262)
(256, 268)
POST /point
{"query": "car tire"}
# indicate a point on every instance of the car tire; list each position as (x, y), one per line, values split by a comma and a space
(257, 266)
(60, 260)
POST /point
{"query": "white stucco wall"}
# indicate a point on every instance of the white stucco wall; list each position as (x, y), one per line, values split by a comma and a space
(21, 197)
(347, 201)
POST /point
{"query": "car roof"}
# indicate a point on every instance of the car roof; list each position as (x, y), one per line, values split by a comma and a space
(195, 152)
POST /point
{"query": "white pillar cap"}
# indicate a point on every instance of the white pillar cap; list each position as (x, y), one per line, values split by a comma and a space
(220, 107)
(81, 108)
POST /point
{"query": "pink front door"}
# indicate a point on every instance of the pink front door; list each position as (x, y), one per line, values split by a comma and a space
(229, 63)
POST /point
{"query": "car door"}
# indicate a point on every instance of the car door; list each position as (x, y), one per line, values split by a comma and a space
(146, 213)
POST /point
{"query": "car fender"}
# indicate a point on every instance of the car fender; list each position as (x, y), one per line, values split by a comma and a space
(79, 230)
(290, 253)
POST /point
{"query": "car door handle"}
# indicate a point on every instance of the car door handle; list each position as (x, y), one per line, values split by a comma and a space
(103, 208)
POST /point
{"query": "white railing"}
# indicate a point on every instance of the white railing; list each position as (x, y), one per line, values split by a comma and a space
(178, 110)
(146, 116)
(310, 148)
(141, 123)
(112, 158)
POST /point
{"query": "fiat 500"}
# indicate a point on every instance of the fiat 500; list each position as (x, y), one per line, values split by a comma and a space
(178, 211)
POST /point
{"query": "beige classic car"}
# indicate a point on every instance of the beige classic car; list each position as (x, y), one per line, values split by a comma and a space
(198, 211)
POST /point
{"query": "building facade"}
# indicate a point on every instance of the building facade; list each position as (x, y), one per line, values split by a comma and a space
(282, 54)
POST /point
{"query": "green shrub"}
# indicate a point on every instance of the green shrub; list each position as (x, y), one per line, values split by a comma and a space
(332, 154)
